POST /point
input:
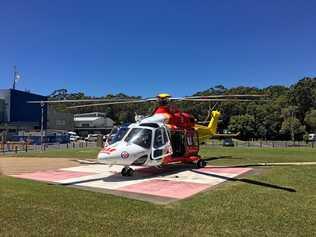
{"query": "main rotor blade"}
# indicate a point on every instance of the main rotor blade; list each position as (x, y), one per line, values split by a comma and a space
(113, 103)
(225, 96)
(219, 100)
(78, 101)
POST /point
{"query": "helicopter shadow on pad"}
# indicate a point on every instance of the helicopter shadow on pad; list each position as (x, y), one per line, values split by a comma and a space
(146, 173)
(141, 174)
(247, 181)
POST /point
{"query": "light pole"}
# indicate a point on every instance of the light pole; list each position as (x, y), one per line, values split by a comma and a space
(42, 123)
(292, 127)
(292, 119)
(14, 75)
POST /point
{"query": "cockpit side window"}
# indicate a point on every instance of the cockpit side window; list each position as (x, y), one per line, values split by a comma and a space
(160, 138)
(140, 136)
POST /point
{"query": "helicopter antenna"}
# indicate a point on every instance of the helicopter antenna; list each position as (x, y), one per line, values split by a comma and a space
(209, 113)
(138, 117)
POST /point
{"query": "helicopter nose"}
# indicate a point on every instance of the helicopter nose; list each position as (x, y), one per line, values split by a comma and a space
(104, 156)
(110, 155)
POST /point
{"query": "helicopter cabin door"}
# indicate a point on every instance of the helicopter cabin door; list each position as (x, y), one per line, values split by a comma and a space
(192, 142)
(161, 145)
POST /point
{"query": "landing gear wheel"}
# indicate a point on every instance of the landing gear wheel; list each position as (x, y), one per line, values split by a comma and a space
(127, 171)
(130, 172)
(201, 163)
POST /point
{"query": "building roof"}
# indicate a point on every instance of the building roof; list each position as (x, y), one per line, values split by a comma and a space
(86, 119)
(93, 114)
(22, 92)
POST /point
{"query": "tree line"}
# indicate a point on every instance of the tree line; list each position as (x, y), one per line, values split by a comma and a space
(289, 113)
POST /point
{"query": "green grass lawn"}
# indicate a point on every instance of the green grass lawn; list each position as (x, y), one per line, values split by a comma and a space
(236, 208)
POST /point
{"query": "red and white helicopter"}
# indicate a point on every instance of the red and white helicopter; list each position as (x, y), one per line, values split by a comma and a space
(166, 137)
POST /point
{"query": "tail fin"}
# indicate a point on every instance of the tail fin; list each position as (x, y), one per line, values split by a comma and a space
(209, 131)
(212, 126)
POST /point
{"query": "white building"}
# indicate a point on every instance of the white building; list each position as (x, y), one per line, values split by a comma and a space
(92, 123)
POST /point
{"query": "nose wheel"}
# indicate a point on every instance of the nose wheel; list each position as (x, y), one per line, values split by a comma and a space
(201, 163)
(127, 171)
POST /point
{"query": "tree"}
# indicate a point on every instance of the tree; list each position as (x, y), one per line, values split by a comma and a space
(310, 120)
(303, 95)
(245, 124)
(292, 127)
(276, 91)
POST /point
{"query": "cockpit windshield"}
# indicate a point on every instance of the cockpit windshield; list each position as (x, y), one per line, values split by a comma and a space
(140, 136)
(117, 134)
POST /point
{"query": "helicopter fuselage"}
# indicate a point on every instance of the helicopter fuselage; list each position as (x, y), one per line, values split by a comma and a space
(168, 136)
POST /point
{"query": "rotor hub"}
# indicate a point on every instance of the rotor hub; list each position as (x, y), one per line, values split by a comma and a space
(163, 98)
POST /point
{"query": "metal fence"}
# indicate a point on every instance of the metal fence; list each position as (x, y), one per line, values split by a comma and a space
(16, 147)
(261, 143)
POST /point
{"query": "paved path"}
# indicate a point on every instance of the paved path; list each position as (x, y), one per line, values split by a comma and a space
(288, 163)
(11, 165)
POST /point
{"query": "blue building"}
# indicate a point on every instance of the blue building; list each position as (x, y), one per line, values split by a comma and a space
(16, 113)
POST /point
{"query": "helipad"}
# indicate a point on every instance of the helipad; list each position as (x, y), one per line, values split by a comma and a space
(150, 184)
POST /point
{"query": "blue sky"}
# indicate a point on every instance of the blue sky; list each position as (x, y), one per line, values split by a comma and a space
(145, 47)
